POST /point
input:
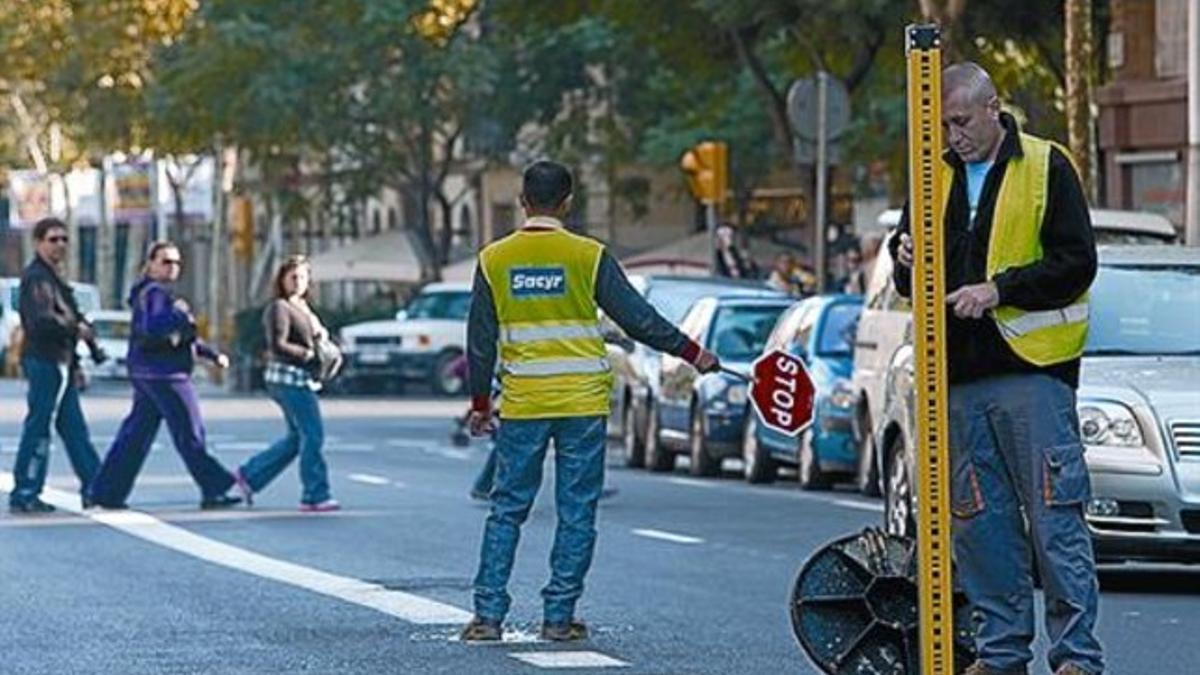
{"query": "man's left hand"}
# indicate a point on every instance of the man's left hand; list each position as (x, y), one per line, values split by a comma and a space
(480, 423)
(971, 302)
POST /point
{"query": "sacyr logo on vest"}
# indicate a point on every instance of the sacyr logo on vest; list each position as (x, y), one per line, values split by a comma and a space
(537, 282)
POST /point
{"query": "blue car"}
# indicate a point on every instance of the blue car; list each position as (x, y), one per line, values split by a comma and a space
(819, 330)
(703, 415)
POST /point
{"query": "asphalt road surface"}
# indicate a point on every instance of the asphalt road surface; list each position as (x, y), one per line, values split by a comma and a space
(690, 576)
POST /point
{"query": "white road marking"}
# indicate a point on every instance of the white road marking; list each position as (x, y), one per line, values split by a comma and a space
(569, 660)
(368, 478)
(349, 447)
(404, 606)
(668, 536)
(242, 446)
(692, 482)
(861, 506)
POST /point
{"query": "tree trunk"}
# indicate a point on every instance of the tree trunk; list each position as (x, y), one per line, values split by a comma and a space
(1078, 51)
(947, 14)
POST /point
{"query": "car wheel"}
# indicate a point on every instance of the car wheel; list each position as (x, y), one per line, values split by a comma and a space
(444, 380)
(758, 464)
(808, 468)
(635, 448)
(658, 458)
(703, 464)
(868, 473)
(898, 516)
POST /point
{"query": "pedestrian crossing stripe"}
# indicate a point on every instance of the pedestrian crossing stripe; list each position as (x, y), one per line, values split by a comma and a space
(569, 660)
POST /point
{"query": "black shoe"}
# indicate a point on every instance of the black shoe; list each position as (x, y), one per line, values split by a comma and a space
(571, 631)
(219, 502)
(608, 491)
(34, 505)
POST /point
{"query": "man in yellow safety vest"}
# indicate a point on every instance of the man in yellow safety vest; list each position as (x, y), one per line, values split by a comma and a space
(1020, 257)
(536, 296)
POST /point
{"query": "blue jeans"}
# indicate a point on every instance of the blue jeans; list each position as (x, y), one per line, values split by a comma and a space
(1016, 458)
(52, 398)
(487, 473)
(153, 400)
(579, 477)
(305, 437)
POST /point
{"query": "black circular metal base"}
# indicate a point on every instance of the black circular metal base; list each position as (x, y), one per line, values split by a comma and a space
(854, 608)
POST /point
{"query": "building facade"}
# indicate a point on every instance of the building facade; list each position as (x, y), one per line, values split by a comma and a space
(1143, 130)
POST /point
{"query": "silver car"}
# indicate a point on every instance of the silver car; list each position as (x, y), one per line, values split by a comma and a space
(1138, 404)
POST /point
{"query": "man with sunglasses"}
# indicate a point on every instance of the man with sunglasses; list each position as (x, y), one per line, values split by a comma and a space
(53, 326)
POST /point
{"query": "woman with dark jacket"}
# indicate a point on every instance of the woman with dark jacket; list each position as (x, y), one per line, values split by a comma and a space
(162, 350)
(292, 330)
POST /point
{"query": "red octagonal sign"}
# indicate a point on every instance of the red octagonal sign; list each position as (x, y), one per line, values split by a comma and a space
(782, 392)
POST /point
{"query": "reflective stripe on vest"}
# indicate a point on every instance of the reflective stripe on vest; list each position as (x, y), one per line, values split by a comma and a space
(1031, 321)
(550, 368)
(1042, 338)
(519, 334)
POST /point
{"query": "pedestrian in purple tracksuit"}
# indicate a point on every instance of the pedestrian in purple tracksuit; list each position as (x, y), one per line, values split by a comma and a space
(162, 350)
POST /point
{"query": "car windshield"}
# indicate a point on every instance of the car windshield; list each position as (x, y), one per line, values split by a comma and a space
(740, 333)
(837, 333)
(673, 299)
(114, 330)
(1151, 310)
(440, 305)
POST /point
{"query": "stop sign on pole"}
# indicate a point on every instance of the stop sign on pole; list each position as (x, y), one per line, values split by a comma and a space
(782, 392)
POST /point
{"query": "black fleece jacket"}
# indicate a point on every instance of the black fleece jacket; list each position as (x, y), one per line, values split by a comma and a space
(975, 347)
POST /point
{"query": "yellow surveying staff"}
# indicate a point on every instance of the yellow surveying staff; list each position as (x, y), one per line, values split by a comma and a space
(1020, 257)
(536, 294)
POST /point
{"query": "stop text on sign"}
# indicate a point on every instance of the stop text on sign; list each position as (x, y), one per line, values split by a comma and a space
(782, 392)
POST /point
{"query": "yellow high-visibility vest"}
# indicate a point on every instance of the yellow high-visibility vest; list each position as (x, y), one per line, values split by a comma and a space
(1043, 337)
(552, 357)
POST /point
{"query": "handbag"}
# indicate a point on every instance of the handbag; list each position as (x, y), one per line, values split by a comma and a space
(328, 362)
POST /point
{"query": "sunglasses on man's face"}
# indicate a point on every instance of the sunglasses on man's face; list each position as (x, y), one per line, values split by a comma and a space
(58, 239)
(171, 261)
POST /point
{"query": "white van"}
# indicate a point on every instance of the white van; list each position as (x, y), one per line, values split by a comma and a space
(1110, 226)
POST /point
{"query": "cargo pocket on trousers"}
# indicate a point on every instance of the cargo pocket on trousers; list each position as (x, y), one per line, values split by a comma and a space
(966, 498)
(1066, 476)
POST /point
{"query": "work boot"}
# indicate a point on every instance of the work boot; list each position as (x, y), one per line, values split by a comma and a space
(481, 630)
(34, 505)
(571, 631)
(1070, 669)
(981, 668)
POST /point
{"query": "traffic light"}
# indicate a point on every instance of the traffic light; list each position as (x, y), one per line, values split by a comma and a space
(241, 226)
(707, 170)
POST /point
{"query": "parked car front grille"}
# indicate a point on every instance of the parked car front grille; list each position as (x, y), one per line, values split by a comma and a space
(1191, 520)
(1186, 436)
(377, 340)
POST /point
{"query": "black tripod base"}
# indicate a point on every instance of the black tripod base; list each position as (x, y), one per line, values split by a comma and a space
(854, 608)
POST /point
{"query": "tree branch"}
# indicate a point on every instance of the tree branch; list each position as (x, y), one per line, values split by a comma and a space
(776, 102)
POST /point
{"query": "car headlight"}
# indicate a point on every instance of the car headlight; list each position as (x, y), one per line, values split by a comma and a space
(1102, 423)
(736, 394)
(842, 395)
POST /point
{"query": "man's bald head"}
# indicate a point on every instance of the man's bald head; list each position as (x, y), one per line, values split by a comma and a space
(968, 79)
